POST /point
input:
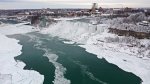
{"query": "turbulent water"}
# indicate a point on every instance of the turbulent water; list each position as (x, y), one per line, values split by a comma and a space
(62, 63)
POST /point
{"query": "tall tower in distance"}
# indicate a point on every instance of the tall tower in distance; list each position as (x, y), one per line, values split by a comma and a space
(94, 7)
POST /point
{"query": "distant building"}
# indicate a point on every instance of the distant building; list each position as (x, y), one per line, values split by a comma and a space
(147, 12)
(101, 10)
(118, 11)
(127, 9)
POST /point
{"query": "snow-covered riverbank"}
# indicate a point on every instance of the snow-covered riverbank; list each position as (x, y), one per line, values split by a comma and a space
(125, 52)
(11, 71)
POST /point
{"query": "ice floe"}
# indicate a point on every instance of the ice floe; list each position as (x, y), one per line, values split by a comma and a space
(60, 70)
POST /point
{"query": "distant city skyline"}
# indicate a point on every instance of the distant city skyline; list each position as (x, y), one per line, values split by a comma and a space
(36, 4)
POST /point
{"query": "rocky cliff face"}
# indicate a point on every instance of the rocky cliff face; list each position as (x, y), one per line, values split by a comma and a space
(41, 21)
(139, 35)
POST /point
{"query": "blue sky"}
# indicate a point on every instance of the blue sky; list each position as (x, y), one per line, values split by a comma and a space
(20, 4)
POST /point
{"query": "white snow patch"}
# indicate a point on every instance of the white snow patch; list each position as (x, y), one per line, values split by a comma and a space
(6, 78)
(68, 42)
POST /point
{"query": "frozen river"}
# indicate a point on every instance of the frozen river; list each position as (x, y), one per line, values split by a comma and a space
(62, 63)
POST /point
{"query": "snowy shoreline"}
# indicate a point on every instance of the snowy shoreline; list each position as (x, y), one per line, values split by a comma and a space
(12, 72)
(122, 60)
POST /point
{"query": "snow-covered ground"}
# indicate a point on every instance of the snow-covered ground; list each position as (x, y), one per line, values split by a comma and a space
(9, 29)
(128, 53)
(11, 71)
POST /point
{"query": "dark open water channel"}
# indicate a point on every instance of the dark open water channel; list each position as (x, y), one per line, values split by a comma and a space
(81, 67)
